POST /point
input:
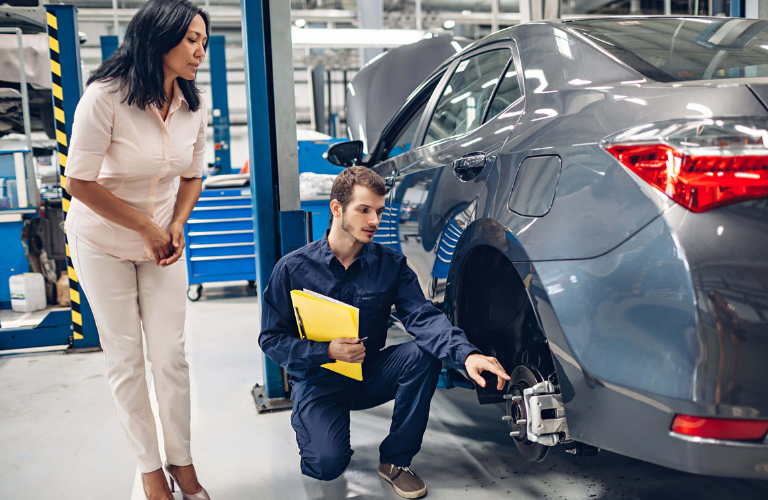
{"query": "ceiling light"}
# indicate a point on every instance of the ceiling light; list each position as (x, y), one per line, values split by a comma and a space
(449, 24)
(300, 23)
(353, 38)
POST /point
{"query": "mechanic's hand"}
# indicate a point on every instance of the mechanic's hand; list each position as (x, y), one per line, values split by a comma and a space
(158, 242)
(347, 349)
(477, 364)
(176, 233)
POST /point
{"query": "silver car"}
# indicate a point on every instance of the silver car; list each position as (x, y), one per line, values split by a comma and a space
(593, 211)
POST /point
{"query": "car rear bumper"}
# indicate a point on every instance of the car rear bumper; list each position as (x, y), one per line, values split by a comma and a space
(674, 321)
(722, 458)
(638, 425)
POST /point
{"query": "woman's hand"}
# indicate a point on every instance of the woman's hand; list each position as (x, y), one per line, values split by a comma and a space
(176, 233)
(158, 242)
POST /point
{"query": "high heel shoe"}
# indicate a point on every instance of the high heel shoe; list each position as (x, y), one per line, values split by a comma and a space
(200, 495)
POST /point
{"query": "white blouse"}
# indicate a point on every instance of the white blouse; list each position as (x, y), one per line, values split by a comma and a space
(136, 156)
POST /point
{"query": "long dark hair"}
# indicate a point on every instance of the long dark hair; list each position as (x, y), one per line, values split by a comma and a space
(158, 27)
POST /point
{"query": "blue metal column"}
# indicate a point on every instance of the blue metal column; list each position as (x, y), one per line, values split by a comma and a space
(109, 44)
(64, 43)
(217, 61)
(737, 8)
(268, 222)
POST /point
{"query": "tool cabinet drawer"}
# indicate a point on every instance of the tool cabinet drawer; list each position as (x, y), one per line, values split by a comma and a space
(222, 249)
(212, 237)
(210, 225)
(223, 198)
(221, 213)
(223, 266)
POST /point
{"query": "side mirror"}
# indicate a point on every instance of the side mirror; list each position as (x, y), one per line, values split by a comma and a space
(345, 154)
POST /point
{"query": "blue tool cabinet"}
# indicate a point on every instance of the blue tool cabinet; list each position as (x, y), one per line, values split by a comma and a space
(220, 239)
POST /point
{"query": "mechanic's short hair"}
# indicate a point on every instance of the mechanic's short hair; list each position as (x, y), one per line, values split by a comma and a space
(344, 185)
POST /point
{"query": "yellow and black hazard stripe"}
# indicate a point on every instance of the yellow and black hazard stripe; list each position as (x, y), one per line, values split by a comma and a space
(61, 138)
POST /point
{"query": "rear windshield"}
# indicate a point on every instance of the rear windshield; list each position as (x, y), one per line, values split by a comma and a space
(682, 49)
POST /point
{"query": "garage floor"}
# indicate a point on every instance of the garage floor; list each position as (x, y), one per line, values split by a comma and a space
(61, 439)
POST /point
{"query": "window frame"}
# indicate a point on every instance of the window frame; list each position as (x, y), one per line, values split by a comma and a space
(398, 134)
(429, 112)
(514, 60)
(404, 117)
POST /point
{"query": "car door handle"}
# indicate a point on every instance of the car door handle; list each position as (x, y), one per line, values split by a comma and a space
(469, 166)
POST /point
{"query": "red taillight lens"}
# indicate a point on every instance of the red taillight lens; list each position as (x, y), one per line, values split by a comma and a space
(698, 183)
(720, 428)
(701, 164)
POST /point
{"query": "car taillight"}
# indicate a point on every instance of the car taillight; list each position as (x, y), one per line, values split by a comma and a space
(700, 164)
(720, 428)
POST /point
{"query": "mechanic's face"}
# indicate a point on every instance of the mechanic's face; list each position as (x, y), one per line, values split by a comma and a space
(183, 59)
(361, 218)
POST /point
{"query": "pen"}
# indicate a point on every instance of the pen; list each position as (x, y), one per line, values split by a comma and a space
(363, 340)
(302, 333)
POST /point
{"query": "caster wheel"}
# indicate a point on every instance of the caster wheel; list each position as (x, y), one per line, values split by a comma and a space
(194, 292)
(252, 287)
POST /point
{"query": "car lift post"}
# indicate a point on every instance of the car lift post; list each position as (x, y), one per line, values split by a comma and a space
(278, 221)
(109, 44)
(737, 8)
(64, 44)
(217, 62)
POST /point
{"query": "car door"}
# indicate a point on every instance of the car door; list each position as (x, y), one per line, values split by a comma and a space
(436, 188)
(392, 152)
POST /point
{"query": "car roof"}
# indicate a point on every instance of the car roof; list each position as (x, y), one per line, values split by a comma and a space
(513, 31)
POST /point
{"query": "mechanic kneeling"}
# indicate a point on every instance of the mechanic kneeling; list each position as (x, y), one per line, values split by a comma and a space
(346, 265)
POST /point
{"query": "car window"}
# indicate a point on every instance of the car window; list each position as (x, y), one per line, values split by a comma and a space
(509, 91)
(681, 49)
(405, 139)
(462, 105)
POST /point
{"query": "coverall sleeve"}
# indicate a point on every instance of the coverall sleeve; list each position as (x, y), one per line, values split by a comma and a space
(430, 327)
(279, 338)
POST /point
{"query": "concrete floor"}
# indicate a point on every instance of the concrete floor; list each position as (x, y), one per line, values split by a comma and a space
(61, 439)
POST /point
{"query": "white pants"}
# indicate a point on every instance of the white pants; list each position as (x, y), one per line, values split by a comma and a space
(126, 296)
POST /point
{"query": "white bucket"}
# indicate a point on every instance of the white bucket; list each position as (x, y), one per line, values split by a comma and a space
(28, 292)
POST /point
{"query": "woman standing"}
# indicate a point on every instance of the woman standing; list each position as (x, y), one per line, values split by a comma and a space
(141, 124)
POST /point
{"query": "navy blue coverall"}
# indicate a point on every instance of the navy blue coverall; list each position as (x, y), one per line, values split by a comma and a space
(407, 373)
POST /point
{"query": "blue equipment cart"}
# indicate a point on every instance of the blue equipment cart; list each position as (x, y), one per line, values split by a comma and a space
(220, 239)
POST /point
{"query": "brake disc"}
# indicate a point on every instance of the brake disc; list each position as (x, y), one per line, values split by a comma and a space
(523, 377)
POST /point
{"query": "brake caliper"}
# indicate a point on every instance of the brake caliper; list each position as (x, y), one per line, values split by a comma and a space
(546, 423)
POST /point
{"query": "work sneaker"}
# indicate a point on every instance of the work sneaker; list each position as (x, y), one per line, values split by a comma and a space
(406, 483)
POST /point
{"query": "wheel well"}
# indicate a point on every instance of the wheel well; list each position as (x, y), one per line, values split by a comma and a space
(494, 310)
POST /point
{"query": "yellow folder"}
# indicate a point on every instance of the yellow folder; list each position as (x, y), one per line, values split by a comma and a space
(324, 319)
